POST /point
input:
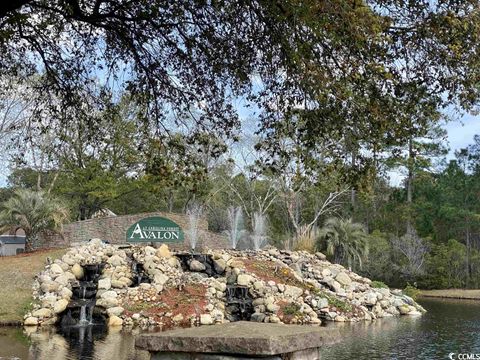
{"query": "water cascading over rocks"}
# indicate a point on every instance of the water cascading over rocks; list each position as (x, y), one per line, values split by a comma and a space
(201, 263)
(80, 310)
(269, 285)
(139, 275)
(239, 303)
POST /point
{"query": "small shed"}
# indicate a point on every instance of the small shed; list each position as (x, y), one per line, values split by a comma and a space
(12, 244)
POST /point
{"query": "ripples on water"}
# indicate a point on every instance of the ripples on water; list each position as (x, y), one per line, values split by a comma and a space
(449, 326)
(85, 343)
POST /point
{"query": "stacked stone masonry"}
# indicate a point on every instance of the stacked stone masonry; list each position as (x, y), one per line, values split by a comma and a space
(114, 229)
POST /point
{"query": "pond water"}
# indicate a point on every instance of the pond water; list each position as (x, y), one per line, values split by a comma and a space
(85, 343)
(450, 326)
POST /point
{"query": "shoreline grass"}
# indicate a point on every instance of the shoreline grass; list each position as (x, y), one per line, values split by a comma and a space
(16, 279)
(466, 294)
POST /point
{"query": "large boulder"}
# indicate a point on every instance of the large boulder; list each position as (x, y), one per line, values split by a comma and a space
(370, 298)
(60, 306)
(293, 291)
(66, 293)
(196, 265)
(118, 283)
(160, 279)
(69, 260)
(115, 321)
(42, 313)
(206, 319)
(48, 300)
(163, 252)
(115, 260)
(77, 271)
(107, 302)
(343, 278)
(258, 317)
(273, 307)
(115, 311)
(31, 321)
(65, 278)
(104, 284)
(244, 279)
(322, 303)
(109, 294)
(219, 265)
(49, 286)
(56, 269)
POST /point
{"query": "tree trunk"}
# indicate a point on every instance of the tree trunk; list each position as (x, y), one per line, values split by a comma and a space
(410, 172)
(410, 166)
(30, 241)
(83, 212)
(170, 201)
(353, 192)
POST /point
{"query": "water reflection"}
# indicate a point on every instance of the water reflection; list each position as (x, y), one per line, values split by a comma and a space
(85, 343)
(449, 326)
(14, 343)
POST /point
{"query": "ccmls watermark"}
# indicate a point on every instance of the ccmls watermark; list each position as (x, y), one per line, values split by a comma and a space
(464, 356)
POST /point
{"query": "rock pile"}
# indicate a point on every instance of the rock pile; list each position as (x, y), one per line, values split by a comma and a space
(186, 290)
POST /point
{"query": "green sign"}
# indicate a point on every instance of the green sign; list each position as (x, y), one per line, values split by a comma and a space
(155, 229)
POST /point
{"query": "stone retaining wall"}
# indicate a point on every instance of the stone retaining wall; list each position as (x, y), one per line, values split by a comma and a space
(114, 229)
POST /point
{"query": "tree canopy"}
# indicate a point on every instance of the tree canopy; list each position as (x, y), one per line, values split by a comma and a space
(344, 74)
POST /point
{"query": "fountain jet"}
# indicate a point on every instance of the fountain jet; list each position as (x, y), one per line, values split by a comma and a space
(235, 220)
(194, 213)
(259, 236)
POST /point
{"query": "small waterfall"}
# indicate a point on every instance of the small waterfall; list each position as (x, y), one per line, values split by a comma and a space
(139, 275)
(90, 314)
(83, 315)
(205, 259)
(80, 310)
(239, 302)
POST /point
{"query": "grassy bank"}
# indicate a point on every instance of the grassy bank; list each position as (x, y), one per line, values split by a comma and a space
(470, 294)
(16, 277)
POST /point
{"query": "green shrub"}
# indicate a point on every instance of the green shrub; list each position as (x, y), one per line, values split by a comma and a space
(379, 285)
(339, 304)
(411, 290)
(446, 266)
(292, 309)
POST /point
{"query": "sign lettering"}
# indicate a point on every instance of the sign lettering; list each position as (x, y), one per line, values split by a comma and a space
(155, 229)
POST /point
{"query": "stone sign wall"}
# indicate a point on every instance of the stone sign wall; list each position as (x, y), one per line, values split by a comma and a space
(114, 229)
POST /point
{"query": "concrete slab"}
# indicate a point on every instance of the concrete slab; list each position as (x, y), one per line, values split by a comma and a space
(239, 338)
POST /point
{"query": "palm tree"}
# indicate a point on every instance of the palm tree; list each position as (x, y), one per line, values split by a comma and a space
(34, 212)
(345, 241)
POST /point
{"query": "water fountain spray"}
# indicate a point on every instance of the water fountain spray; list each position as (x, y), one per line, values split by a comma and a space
(259, 236)
(194, 213)
(235, 221)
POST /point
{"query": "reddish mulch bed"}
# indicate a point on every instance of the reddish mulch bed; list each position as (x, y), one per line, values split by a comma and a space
(189, 301)
(271, 271)
(281, 313)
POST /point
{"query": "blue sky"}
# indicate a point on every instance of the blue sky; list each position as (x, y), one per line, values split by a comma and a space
(460, 134)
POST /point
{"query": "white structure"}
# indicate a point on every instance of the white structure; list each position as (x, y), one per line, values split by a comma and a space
(12, 244)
